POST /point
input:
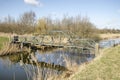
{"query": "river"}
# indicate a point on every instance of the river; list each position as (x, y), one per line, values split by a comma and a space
(109, 43)
(41, 65)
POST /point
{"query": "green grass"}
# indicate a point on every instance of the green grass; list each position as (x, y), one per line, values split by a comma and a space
(106, 67)
(3, 40)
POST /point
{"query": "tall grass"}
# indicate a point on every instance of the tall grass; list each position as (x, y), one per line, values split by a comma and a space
(34, 71)
(8, 49)
(38, 72)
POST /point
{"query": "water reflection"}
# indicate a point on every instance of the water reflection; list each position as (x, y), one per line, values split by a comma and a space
(59, 57)
(40, 65)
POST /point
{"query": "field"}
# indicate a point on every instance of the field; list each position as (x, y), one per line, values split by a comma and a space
(105, 67)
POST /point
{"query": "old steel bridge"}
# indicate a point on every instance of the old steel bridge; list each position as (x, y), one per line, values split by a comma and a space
(58, 39)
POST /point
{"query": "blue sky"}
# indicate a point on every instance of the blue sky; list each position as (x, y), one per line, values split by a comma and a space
(102, 13)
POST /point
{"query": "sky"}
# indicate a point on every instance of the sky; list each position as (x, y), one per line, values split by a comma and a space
(102, 13)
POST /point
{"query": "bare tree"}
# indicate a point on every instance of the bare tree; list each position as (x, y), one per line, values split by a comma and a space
(27, 21)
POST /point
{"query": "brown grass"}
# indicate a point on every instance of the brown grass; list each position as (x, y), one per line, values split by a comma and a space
(9, 49)
(109, 36)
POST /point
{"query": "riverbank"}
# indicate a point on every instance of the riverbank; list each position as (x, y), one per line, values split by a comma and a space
(109, 36)
(104, 67)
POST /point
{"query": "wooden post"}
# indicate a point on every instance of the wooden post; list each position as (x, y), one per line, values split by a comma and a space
(96, 48)
(21, 45)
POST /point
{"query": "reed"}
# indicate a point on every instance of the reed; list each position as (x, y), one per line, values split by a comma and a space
(35, 71)
(8, 49)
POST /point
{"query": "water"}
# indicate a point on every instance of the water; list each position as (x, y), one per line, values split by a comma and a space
(109, 43)
(40, 65)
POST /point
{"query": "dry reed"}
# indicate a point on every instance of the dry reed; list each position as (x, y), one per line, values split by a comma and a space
(9, 49)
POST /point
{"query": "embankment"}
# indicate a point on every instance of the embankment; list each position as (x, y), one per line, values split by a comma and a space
(104, 67)
(109, 36)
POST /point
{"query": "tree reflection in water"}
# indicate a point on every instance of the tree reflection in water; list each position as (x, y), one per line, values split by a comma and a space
(47, 65)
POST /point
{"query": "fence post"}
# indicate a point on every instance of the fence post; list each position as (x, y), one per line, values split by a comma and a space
(97, 48)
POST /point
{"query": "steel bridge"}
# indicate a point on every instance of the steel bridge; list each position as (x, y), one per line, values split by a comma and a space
(64, 39)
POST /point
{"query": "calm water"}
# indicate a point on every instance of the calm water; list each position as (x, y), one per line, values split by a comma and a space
(40, 65)
(109, 43)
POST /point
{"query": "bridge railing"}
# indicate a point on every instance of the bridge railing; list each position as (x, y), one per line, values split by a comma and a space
(60, 38)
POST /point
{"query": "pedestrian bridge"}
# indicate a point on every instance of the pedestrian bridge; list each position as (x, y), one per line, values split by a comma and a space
(59, 39)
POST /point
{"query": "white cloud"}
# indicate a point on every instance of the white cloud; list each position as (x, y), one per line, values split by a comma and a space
(33, 2)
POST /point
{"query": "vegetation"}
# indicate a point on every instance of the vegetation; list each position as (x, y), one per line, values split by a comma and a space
(24, 24)
(105, 67)
(27, 23)
(115, 31)
(3, 40)
(109, 36)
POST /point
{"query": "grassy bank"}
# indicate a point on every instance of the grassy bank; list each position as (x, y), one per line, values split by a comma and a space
(3, 40)
(104, 67)
(109, 36)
